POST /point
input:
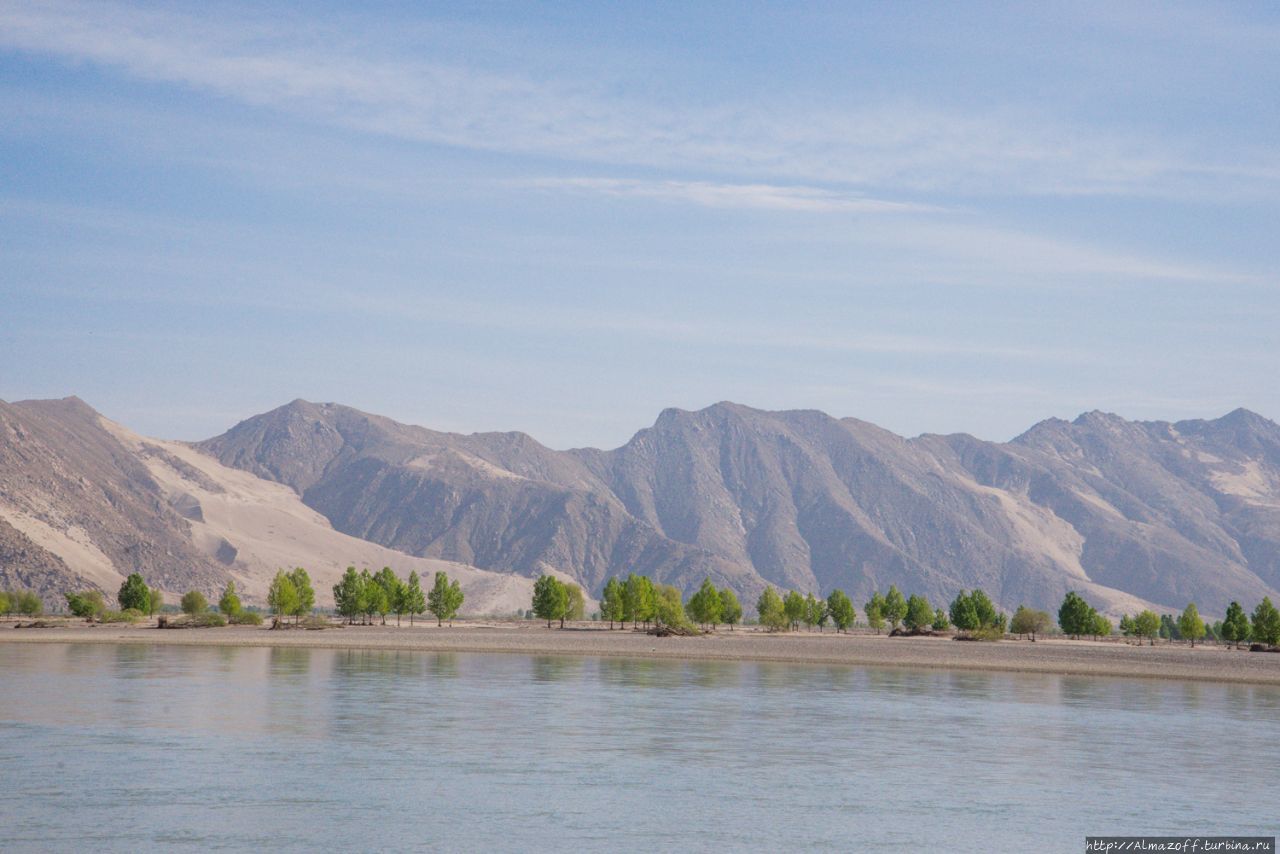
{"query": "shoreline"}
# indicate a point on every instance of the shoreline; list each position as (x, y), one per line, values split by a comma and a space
(1047, 656)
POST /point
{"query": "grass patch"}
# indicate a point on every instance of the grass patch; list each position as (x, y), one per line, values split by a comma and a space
(129, 615)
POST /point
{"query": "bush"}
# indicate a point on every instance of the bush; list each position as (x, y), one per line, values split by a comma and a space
(986, 633)
(128, 615)
(246, 618)
(206, 620)
(87, 604)
(193, 602)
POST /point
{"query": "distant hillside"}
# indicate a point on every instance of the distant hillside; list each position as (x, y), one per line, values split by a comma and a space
(84, 502)
(1129, 513)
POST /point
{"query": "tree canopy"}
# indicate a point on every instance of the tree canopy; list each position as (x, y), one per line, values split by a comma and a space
(445, 598)
(193, 602)
(730, 607)
(1190, 625)
(134, 593)
(1266, 623)
(771, 611)
(840, 607)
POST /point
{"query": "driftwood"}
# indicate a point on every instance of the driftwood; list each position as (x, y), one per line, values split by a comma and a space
(36, 624)
(1258, 647)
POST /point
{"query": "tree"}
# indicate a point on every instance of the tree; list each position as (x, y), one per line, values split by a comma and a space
(1099, 626)
(637, 599)
(1266, 623)
(611, 602)
(818, 613)
(441, 601)
(704, 606)
(193, 602)
(88, 604)
(1075, 616)
(1169, 628)
(415, 600)
(25, 602)
(770, 608)
(391, 588)
(919, 614)
(1146, 625)
(1236, 628)
(840, 608)
(229, 604)
(576, 603)
(1190, 626)
(549, 598)
(1126, 624)
(963, 613)
(282, 596)
(986, 611)
(875, 612)
(730, 607)
(5, 602)
(668, 609)
(347, 598)
(372, 597)
(1027, 621)
(895, 607)
(941, 622)
(134, 593)
(155, 601)
(305, 592)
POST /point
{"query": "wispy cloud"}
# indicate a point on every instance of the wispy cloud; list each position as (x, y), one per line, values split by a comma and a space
(722, 195)
(342, 79)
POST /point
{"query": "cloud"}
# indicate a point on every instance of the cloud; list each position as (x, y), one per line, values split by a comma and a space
(721, 195)
(364, 81)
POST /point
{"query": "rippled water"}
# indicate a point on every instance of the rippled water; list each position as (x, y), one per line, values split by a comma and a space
(126, 747)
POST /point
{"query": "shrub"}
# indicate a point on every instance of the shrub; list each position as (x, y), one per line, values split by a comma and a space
(206, 620)
(246, 618)
(87, 604)
(193, 602)
(128, 615)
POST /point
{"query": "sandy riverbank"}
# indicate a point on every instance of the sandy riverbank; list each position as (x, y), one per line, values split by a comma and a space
(1085, 658)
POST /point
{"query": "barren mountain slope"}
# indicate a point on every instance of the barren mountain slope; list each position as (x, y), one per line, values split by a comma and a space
(81, 498)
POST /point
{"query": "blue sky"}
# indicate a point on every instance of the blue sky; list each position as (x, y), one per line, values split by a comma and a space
(563, 218)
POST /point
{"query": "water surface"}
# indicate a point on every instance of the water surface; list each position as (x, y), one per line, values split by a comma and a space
(126, 747)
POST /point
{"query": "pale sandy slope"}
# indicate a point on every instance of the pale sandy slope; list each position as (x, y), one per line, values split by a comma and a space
(270, 528)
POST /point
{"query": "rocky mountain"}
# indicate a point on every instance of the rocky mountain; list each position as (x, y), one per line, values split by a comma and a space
(84, 502)
(1129, 513)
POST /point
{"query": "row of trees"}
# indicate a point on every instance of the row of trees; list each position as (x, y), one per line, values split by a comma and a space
(554, 599)
(638, 599)
(23, 602)
(1237, 628)
(361, 595)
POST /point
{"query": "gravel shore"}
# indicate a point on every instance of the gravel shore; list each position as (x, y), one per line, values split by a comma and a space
(1085, 658)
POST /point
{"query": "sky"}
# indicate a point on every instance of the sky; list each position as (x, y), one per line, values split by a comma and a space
(564, 218)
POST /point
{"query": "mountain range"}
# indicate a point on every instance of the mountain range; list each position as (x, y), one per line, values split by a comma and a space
(1130, 514)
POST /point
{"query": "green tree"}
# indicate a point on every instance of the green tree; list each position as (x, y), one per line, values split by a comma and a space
(1235, 628)
(895, 607)
(611, 602)
(440, 599)
(347, 595)
(818, 612)
(550, 599)
(229, 604)
(941, 622)
(415, 600)
(1099, 626)
(391, 589)
(1190, 626)
(840, 608)
(372, 597)
(793, 607)
(638, 599)
(576, 609)
(26, 602)
(919, 614)
(282, 596)
(963, 613)
(874, 610)
(1147, 625)
(134, 593)
(305, 592)
(770, 608)
(730, 607)
(1027, 621)
(983, 607)
(193, 602)
(88, 604)
(1169, 628)
(1126, 625)
(1075, 615)
(668, 609)
(5, 602)
(704, 605)
(155, 601)
(1266, 623)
